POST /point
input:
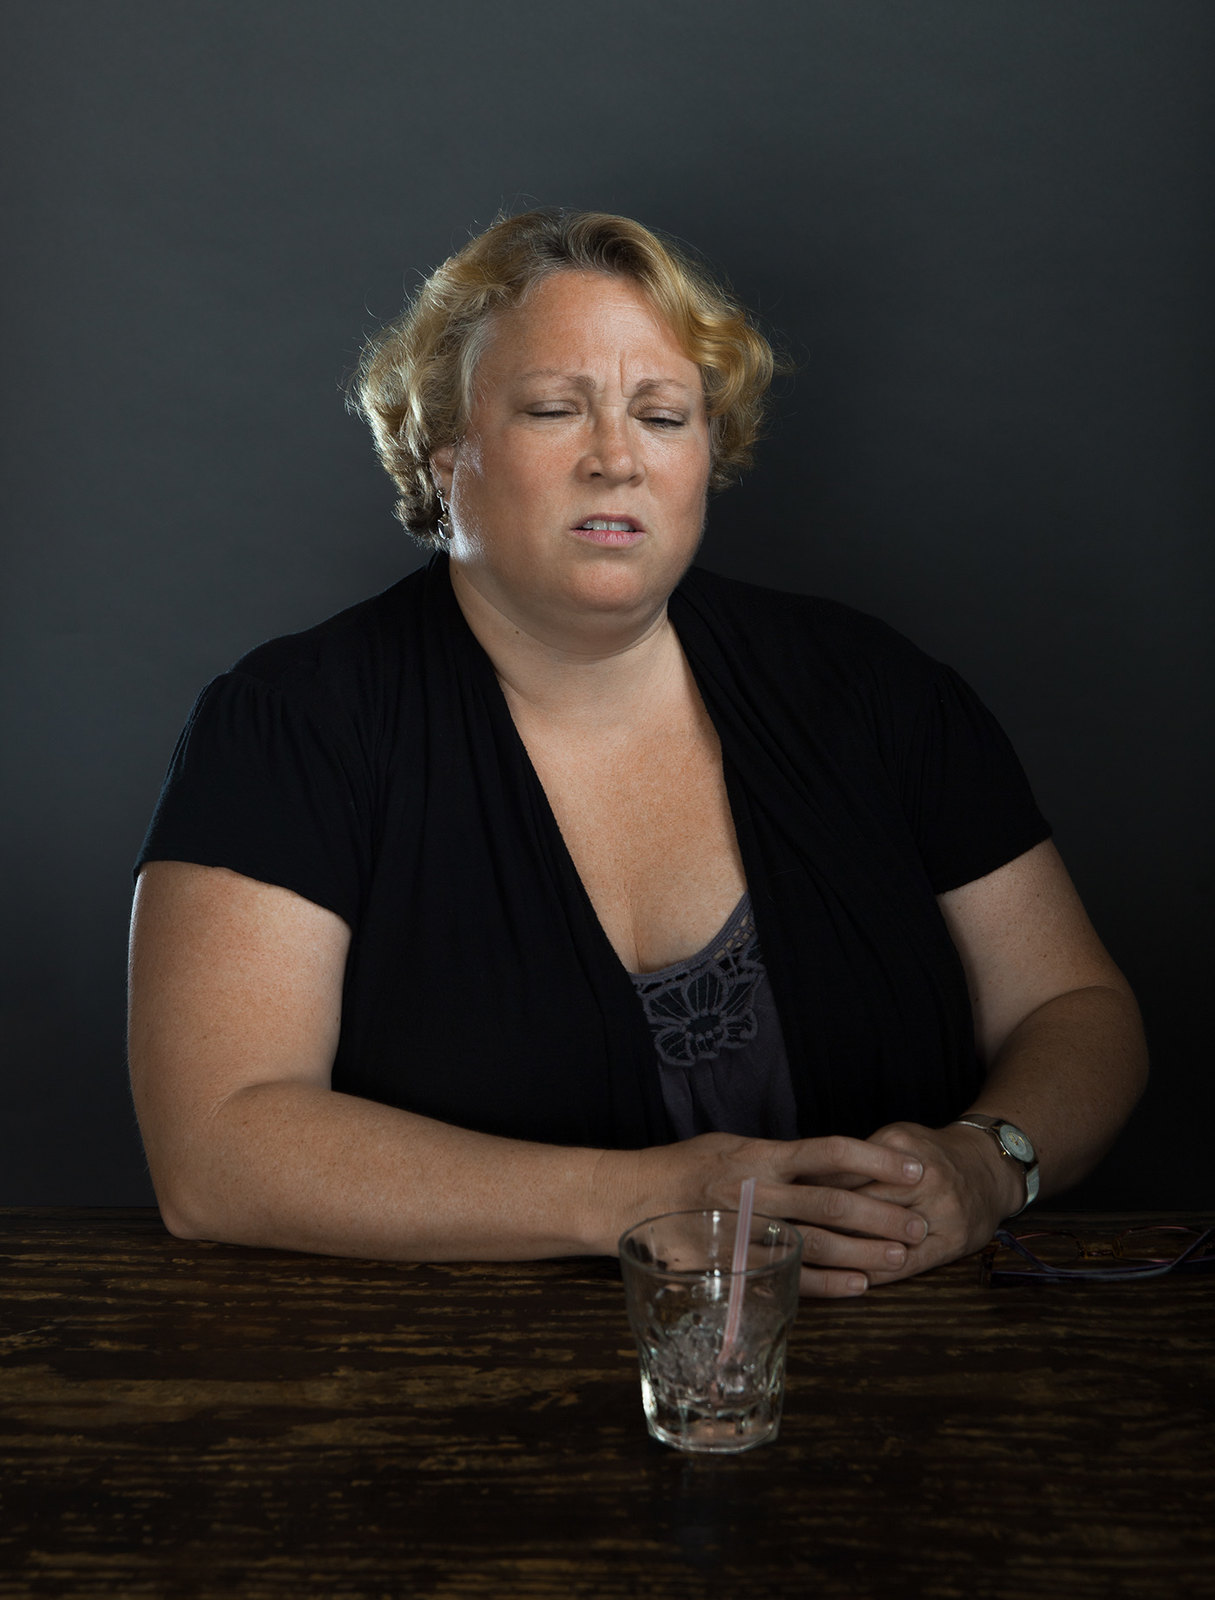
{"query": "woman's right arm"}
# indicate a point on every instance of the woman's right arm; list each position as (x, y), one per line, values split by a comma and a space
(236, 990)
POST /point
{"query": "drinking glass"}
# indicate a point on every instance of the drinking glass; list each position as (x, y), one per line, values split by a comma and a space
(703, 1391)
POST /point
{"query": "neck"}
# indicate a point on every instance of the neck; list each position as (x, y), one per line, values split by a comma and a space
(589, 675)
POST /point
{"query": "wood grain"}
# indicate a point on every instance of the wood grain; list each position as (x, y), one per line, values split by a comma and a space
(181, 1419)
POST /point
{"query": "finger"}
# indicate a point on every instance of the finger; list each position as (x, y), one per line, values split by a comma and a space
(889, 1195)
(908, 1137)
(844, 1252)
(817, 1285)
(838, 1159)
(821, 1280)
(934, 1252)
(843, 1212)
(838, 1180)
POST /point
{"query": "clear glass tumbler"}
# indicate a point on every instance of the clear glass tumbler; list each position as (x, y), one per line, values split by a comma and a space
(678, 1270)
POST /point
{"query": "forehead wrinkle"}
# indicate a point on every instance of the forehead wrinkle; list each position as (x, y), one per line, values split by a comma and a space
(583, 380)
(646, 385)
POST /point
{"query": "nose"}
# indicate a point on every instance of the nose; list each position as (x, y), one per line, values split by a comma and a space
(611, 453)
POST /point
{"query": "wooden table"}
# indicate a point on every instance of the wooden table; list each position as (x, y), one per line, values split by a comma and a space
(194, 1420)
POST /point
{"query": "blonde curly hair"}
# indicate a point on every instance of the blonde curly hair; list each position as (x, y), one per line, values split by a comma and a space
(414, 380)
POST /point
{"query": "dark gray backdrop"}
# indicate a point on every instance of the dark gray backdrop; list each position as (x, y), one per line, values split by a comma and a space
(982, 230)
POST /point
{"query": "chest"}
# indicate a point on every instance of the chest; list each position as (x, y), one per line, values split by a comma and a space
(646, 820)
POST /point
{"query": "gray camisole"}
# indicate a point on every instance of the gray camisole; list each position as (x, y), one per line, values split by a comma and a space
(721, 1054)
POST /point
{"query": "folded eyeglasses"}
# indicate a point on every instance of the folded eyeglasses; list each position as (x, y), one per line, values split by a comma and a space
(1057, 1256)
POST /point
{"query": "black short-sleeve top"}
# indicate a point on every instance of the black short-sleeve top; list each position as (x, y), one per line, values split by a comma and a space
(371, 765)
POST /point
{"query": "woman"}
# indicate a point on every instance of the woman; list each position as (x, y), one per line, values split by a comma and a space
(561, 886)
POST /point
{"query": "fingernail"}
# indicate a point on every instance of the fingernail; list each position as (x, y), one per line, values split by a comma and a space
(858, 1285)
(896, 1255)
(916, 1229)
(913, 1169)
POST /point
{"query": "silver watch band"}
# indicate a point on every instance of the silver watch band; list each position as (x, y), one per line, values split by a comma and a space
(1013, 1145)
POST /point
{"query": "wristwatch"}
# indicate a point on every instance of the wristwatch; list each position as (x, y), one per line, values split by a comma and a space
(1012, 1144)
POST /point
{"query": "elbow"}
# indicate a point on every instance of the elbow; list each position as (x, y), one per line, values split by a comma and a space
(196, 1194)
(189, 1194)
(176, 1224)
(184, 1212)
(1136, 1065)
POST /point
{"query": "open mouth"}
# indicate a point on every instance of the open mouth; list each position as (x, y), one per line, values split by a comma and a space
(608, 525)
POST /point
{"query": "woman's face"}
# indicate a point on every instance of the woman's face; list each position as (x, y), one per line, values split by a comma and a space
(576, 498)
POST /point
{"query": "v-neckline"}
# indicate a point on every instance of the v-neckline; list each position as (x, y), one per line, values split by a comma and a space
(540, 794)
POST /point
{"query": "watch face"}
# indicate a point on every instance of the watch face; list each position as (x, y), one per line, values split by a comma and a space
(1015, 1142)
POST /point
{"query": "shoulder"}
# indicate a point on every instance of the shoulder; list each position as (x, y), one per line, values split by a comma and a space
(789, 631)
(363, 641)
(798, 660)
(344, 687)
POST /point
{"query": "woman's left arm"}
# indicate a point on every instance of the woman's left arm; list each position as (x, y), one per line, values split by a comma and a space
(1059, 1029)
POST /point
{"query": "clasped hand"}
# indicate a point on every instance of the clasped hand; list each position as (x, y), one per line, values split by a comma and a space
(871, 1211)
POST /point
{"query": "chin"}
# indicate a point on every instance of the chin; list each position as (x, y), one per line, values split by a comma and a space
(615, 588)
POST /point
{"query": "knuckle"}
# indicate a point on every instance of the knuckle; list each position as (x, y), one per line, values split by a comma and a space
(900, 1136)
(835, 1148)
(835, 1204)
(813, 1244)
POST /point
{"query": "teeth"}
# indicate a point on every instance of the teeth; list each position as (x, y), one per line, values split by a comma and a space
(606, 525)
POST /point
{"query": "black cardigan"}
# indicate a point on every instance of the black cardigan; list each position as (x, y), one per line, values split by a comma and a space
(371, 765)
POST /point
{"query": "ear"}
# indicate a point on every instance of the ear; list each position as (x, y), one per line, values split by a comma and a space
(442, 465)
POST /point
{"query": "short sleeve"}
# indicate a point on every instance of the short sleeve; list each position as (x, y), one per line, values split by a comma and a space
(262, 785)
(964, 790)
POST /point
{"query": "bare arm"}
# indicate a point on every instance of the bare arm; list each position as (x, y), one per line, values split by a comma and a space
(1059, 1028)
(235, 1011)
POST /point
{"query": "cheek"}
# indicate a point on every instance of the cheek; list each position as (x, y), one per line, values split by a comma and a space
(498, 494)
(477, 482)
(468, 468)
(503, 473)
(694, 480)
(687, 462)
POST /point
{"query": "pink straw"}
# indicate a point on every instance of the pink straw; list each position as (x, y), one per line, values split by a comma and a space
(738, 1268)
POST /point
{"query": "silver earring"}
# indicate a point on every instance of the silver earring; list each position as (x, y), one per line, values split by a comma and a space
(441, 528)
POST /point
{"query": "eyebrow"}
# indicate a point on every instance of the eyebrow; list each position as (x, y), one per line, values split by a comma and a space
(582, 380)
